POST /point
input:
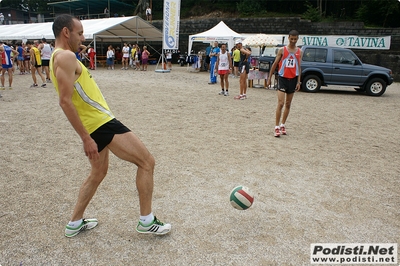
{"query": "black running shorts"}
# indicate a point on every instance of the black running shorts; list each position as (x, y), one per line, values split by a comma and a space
(287, 85)
(45, 62)
(244, 67)
(105, 133)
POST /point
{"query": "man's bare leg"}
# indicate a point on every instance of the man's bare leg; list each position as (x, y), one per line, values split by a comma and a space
(90, 185)
(128, 147)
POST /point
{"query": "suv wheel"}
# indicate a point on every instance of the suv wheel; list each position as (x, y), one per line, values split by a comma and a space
(375, 87)
(311, 83)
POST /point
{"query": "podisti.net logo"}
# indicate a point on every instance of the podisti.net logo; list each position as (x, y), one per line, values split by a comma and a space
(353, 253)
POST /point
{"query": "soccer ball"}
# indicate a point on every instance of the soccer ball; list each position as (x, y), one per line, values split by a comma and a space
(241, 198)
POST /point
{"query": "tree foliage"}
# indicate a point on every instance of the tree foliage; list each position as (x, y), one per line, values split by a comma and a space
(248, 7)
(27, 5)
(312, 13)
(383, 13)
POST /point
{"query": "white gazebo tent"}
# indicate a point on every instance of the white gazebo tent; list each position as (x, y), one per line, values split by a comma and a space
(220, 33)
(106, 29)
(124, 29)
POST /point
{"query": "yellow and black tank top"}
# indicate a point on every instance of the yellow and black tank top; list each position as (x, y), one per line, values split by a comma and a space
(87, 98)
(38, 58)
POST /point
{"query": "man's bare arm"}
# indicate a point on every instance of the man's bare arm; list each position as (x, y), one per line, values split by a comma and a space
(65, 67)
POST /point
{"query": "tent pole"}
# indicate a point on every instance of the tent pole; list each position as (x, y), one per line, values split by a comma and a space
(95, 49)
(151, 47)
(136, 29)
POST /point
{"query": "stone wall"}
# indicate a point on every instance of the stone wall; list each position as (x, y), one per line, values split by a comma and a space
(387, 58)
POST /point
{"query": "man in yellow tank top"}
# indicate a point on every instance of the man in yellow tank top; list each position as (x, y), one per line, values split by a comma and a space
(36, 64)
(236, 61)
(86, 109)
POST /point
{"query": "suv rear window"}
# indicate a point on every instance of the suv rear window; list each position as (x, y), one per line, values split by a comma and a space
(315, 55)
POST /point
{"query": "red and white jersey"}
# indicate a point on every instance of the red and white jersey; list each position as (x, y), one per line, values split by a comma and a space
(289, 66)
(6, 57)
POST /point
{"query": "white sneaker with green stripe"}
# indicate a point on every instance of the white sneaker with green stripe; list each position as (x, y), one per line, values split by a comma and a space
(85, 225)
(155, 227)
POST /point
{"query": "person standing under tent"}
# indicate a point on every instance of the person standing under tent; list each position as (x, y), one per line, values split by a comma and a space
(213, 61)
(20, 58)
(145, 57)
(91, 54)
(125, 56)
(133, 54)
(27, 59)
(7, 64)
(46, 54)
(110, 57)
(224, 67)
(36, 64)
(138, 54)
(244, 68)
(130, 55)
(236, 61)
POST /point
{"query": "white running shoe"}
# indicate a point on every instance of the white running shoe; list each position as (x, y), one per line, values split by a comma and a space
(156, 227)
(85, 225)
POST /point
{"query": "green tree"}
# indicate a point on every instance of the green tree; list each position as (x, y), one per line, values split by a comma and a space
(312, 13)
(248, 7)
(383, 13)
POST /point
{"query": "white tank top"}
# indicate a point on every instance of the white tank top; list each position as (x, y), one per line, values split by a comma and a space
(46, 52)
(223, 61)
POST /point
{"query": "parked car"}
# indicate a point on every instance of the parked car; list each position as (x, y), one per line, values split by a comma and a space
(322, 66)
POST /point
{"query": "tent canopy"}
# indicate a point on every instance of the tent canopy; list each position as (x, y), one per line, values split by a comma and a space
(220, 33)
(107, 29)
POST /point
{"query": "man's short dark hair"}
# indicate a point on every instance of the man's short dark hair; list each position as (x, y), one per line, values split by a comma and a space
(29, 42)
(61, 21)
(43, 39)
(293, 33)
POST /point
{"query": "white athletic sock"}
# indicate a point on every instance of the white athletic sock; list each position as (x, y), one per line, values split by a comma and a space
(282, 125)
(75, 224)
(147, 219)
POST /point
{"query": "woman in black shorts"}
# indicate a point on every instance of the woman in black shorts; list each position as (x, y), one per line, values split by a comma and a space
(244, 68)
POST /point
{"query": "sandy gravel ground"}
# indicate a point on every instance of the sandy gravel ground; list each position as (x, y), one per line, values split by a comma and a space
(333, 179)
